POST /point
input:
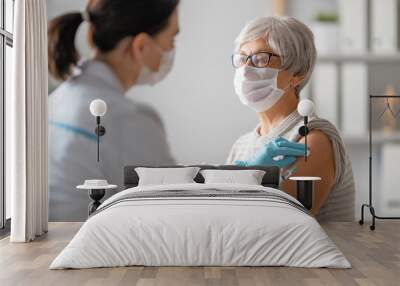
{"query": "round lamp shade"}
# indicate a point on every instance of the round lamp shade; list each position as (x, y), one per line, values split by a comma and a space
(305, 107)
(98, 107)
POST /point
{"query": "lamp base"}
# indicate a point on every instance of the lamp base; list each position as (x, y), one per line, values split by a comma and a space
(100, 131)
(305, 190)
(305, 193)
(96, 196)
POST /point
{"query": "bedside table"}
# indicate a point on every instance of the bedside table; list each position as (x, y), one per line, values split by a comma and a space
(96, 190)
(305, 190)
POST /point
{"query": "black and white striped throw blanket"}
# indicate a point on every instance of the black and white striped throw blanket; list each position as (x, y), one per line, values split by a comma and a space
(205, 194)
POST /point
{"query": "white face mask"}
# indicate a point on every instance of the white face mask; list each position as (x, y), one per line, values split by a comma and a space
(149, 77)
(257, 87)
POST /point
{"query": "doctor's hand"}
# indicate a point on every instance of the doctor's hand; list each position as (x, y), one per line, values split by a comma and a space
(279, 152)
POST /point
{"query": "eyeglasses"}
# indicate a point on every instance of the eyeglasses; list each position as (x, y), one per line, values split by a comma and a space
(258, 60)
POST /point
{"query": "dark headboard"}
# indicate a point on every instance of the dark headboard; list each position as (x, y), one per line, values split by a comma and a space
(271, 178)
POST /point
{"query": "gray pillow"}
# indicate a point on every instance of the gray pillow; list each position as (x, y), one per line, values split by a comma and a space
(166, 176)
(246, 177)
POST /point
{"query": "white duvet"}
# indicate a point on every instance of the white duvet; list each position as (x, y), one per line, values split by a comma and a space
(200, 231)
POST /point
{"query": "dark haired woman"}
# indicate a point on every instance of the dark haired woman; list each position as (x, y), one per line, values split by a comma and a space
(133, 44)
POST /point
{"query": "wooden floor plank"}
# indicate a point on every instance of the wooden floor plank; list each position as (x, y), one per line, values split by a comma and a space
(375, 257)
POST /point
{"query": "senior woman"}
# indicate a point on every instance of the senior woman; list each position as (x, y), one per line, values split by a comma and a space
(274, 60)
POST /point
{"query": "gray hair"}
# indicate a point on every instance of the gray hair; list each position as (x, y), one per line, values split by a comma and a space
(287, 37)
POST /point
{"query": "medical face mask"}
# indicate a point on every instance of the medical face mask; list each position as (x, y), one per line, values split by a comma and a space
(257, 87)
(147, 76)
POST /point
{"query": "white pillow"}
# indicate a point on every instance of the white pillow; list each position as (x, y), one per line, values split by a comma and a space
(248, 177)
(166, 176)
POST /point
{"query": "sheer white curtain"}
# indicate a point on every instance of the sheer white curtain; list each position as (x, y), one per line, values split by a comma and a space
(26, 123)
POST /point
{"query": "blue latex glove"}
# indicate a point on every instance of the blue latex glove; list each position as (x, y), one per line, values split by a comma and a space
(267, 156)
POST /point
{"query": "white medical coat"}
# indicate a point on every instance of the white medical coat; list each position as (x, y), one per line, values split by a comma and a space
(134, 135)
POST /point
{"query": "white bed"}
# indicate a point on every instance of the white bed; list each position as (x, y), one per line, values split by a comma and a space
(201, 231)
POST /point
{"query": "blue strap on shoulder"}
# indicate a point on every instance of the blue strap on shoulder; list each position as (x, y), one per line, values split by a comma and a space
(83, 132)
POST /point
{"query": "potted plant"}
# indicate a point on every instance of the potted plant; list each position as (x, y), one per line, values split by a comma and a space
(326, 32)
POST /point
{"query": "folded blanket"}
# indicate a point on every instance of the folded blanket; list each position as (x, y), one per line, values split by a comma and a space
(206, 193)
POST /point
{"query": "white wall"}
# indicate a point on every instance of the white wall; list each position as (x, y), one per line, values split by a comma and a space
(201, 112)
(306, 10)
(58, 7)
(203, 115)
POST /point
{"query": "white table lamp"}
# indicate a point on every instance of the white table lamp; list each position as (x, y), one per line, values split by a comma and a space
(305, 109)
(98, 108)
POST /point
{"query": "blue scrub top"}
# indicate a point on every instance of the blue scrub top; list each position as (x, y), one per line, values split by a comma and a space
(134, 136)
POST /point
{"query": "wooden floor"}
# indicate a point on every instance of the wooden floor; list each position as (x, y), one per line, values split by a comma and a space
(375, 257)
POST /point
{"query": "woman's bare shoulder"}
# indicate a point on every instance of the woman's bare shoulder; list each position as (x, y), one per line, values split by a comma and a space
(321, 158)
(318, 141)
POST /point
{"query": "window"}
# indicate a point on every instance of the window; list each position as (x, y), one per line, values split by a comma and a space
(6, 44)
